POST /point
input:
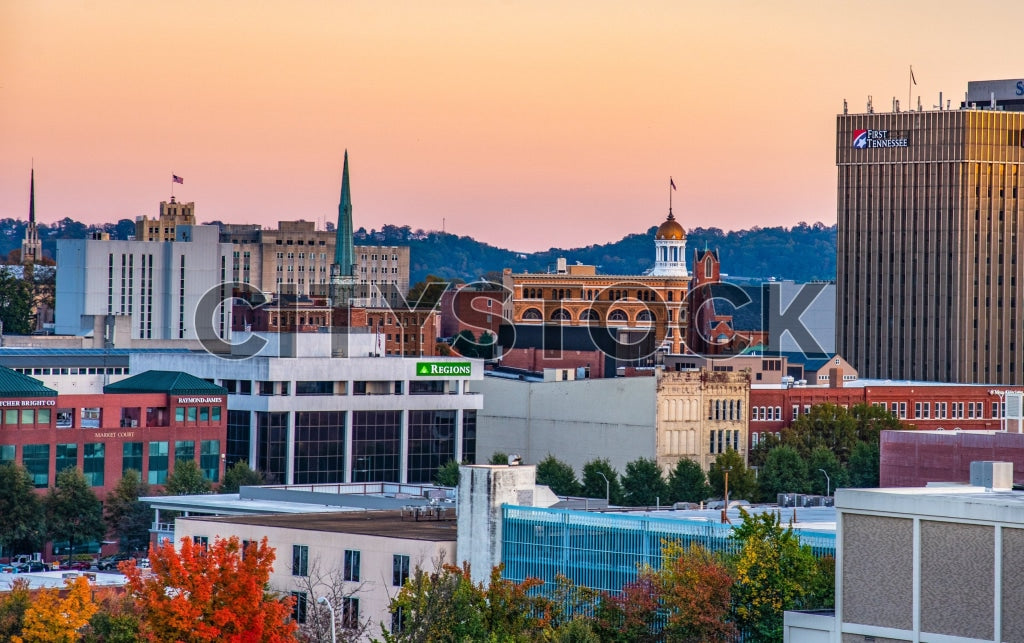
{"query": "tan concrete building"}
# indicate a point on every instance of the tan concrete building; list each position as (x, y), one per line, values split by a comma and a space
(296, 259)
(694, 415)
(358, 559)
(163, 227)
(929, 280)
(700, 415)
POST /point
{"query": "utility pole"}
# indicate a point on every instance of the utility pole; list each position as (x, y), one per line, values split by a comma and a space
(725, 507)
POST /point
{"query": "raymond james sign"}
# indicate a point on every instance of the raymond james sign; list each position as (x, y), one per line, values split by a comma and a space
(443, 369)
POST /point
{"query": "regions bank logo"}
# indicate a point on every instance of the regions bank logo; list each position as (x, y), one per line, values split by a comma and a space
(860, 139)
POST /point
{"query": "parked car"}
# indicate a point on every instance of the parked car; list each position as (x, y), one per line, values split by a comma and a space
(110, 563)
(77, 565)
(31, 568)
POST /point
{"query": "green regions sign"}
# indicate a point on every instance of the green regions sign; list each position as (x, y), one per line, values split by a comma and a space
(443, 369)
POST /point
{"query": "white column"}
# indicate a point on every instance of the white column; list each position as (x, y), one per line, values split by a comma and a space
(459, 456)
(289, 454)
(348, 446)
(254, 437)
(403, 449)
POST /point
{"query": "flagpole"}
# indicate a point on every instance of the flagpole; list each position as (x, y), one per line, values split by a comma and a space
(670, 195)
(172, 186)
(909, 78)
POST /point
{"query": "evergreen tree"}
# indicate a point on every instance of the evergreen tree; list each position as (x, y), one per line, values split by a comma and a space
(22, 523)
(125, 515)
(238, 475)
(687, 482)
(824, 460)
(73, 512)
(864, 465)
(186, 480)
(498, 458)
(784, 472)
(742, 482)
(558, 475)
(594, 485)
(448, 474)
(15, 304)
(644, 484)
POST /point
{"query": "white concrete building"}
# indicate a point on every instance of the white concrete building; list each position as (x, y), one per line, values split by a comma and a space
(359, 560)
(159, 286)
(307, 409)
(673, 415)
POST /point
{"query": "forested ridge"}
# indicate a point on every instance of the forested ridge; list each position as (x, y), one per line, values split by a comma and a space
(802, 253)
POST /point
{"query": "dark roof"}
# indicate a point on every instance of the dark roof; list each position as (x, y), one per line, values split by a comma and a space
(389, 524)
(810, 362)
(170, 382)
(36, 357)
(14, 384)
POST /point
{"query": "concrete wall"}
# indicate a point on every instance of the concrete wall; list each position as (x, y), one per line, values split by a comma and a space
(576, 421)
(326, 560)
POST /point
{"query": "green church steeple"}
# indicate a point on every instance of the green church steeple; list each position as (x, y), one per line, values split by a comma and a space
(344, 252)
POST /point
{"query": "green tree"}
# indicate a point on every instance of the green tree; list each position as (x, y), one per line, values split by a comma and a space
(186, 480)
(15, 304)
(687, 482)
(498, 458)
(125, 515)
(22, 525)
(872, 420)
(784, 472)
(558, 475)
(644, 484)
(427, 293)
(824, 460)
(695, 590)
(447, 475)
(826, 425)
(774, 573)
(73, 512)
(13, 605)
(742, 483)
(446, 605)
(864, 465)
(759, 453)
(238, 475)
(594, 485)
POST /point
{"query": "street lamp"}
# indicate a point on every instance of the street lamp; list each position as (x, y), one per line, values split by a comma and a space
(607, 489)
(828, 483)
(323, 600)
(725, 507)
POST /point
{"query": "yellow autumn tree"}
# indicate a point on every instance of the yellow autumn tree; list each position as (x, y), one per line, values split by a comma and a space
(52, 619)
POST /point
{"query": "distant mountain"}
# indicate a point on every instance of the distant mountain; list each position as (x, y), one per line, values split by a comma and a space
(801, 253)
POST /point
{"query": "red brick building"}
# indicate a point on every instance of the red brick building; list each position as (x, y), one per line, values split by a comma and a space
(918, 405)
(146, 422)
(401, 331)
(474, 308)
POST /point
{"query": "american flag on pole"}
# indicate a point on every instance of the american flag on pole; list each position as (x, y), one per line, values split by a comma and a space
(177, 179)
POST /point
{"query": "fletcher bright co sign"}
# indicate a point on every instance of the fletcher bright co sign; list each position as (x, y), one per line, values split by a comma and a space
(443, 369)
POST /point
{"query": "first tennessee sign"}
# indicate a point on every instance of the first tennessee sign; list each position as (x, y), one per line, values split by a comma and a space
(443, 369)
(865, 138)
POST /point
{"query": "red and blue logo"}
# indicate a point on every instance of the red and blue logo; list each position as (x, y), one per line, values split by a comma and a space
(860, 139)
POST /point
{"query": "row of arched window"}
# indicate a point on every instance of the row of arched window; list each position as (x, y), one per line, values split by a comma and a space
(589, 314)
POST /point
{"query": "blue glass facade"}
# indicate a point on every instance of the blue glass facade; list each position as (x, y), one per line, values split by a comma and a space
(604, 551)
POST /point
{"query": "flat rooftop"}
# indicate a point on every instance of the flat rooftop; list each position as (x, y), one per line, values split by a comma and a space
(388, 524)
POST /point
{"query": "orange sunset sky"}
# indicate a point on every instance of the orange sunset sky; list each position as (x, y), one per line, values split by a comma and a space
(524, 124)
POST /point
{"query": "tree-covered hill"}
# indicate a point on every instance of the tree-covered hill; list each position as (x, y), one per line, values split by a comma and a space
(802, 253)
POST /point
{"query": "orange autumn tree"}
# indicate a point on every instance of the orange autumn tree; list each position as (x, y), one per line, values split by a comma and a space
(197, 594)
(58, 620)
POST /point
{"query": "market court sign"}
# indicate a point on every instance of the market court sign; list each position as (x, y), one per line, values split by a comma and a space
(443, 369)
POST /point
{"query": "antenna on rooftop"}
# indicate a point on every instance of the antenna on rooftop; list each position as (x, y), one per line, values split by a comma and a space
(871, 107)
